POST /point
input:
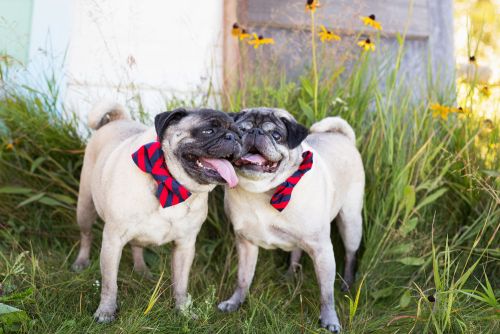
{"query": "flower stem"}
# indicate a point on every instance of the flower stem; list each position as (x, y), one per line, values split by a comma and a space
(315, 67)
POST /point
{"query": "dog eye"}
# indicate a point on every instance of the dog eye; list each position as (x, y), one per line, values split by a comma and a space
(276, 135)
(207, 131)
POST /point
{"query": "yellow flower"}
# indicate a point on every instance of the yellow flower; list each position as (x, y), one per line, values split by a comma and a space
(485, 91)
(10, 146)
(326, 35)
(244, 34)
(440, 111)
(462, 112)
(312, 5)
(239, 32)
(260, 40)
(370, 21)
(367, 45)
(236, 31)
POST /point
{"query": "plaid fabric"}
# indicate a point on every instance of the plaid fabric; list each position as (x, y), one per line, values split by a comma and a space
(149, 158)
(283, 193)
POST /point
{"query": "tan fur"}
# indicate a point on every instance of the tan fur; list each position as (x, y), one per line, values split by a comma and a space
(333, 187)
(113, 187)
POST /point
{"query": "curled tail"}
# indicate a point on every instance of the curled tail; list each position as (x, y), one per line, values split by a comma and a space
(334, 124)
(105, 112)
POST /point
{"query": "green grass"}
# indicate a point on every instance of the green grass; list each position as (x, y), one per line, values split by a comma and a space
(429, 261)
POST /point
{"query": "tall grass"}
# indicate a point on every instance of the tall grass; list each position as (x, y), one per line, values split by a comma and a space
(429, 260)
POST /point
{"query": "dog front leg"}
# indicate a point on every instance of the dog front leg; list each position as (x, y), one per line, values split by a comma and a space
(247, 259)
(324, 266)
(111, 252)
(181, 265)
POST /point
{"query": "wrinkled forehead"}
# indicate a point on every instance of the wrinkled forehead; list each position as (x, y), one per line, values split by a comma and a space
(264, 117)
(205, 117)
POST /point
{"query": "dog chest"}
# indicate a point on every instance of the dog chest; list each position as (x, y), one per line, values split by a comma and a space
(182, 221)
(263, 225)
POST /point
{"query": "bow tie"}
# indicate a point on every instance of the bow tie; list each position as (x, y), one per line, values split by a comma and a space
(283, 193)
(150, 159)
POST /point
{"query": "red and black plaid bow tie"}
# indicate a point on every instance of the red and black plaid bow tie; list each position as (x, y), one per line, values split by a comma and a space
(283, 193)
(149, 158)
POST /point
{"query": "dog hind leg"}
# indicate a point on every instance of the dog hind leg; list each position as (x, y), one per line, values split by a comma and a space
(350, 225)
(140, 265)
(295, 256)
(85, 217)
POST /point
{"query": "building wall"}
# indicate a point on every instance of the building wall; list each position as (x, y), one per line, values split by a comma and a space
(427, 25)
(152, 49)
(15, 28)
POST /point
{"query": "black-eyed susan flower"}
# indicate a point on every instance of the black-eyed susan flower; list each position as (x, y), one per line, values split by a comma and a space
(439, 110)
(236, 30)
(239, 32)
(327, 35)
(485, 91)
(244, 34)
(371, 21)
(367, 45)
(312, 5)
(260, 40)
(472, 59)
(462, 112)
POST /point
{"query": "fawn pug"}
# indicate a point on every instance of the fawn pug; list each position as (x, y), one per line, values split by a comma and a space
(150, 186)
(292, 184)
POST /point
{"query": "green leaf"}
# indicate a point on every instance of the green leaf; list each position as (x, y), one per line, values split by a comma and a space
(307, 109)
(412, 261)
(382, 293)
(31, 199)
(17, 296)
(490, 172)
(408, 226)
(38, 161)
(14, 190)
(10, 315)
(409, 199)
(405, 299)
(306, 85)
(49, 201)
(400, 249)
(431, 198)
(63, 198)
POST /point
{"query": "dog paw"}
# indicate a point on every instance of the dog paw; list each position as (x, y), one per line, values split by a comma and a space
(228, 306)
(80, 264)
(330, 321)
(332, 328)
(104, 316)
(144, 272)
(345, 287)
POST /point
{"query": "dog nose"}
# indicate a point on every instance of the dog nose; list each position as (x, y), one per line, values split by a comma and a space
(229, 136)
(256, 131)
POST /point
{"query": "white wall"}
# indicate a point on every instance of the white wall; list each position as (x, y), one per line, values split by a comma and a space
(153, 48)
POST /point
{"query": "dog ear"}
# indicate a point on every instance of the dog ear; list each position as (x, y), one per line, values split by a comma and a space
(236, 116)
(296, 132)
(165, 119)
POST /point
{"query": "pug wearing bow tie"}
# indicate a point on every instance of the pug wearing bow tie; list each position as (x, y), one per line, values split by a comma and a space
(292, 184)
(150, 185)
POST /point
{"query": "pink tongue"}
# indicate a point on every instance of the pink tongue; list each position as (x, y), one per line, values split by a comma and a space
(255, 158)
(225, 169)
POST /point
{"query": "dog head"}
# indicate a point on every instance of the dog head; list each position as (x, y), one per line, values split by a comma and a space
(199, 146)
(271, 147)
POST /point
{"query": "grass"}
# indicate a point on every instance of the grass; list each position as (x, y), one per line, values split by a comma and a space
(429, 261)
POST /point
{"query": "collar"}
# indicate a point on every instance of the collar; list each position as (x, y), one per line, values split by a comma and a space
(150, 159)
(283, 193)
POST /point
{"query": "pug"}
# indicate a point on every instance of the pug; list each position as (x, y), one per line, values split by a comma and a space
(150, 186)
(292, 184)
